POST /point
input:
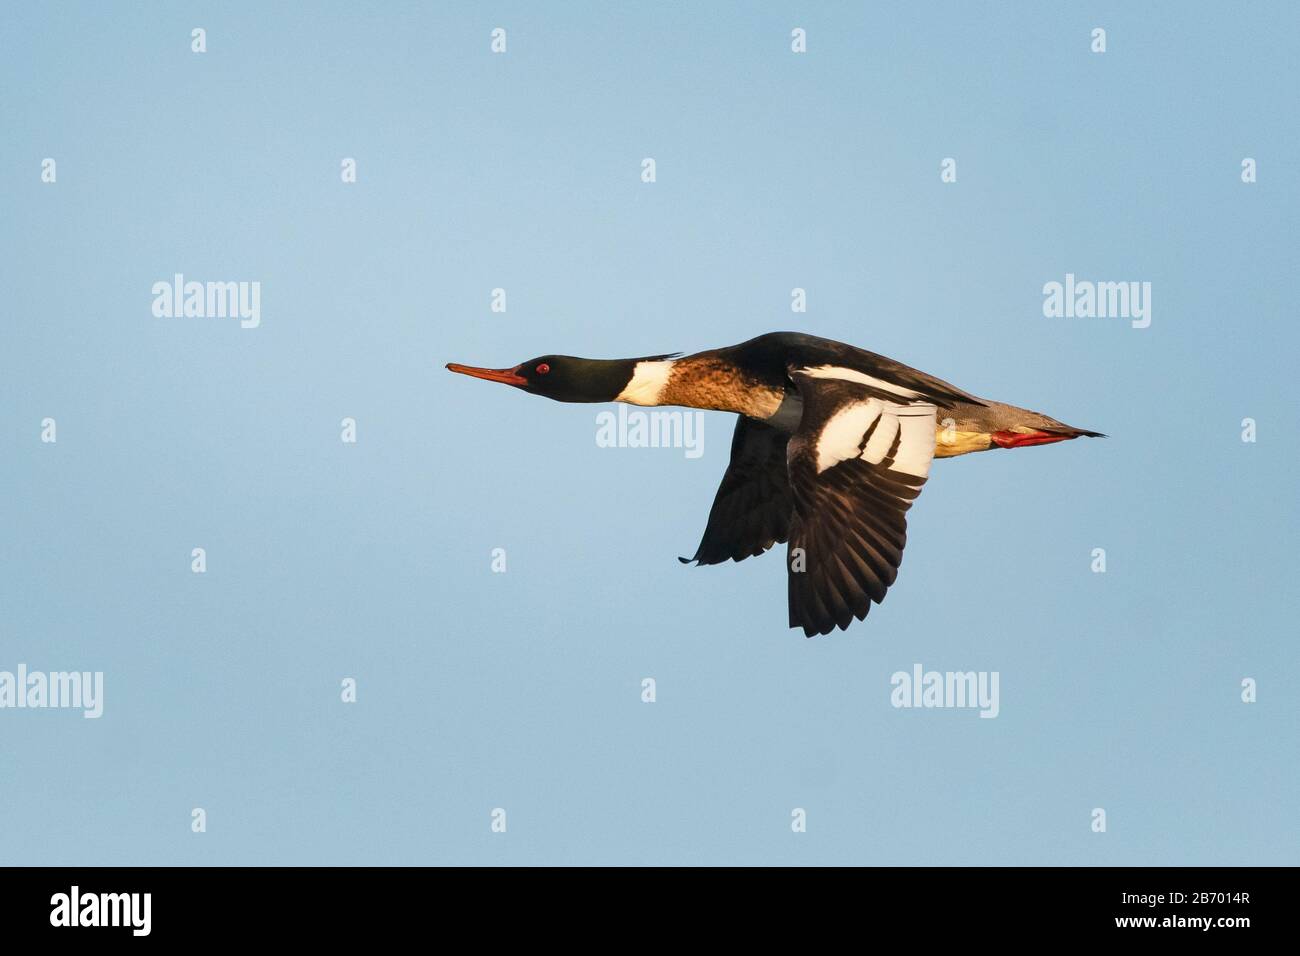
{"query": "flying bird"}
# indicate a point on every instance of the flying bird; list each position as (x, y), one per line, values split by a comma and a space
(832, 445)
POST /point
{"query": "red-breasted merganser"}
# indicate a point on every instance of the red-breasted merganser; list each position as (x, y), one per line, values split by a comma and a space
(832, 445)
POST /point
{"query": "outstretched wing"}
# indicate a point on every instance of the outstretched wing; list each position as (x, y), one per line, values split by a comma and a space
(751, 511)
(856, 463)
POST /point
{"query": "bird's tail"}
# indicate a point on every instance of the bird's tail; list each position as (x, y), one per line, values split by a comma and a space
(1022, 435)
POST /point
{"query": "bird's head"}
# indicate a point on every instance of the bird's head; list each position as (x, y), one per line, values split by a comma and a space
(564, 377)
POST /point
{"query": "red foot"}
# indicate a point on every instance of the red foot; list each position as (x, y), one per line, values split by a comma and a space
(1017, 439)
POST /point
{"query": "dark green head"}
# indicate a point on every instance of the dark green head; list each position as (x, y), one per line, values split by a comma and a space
(564, 377)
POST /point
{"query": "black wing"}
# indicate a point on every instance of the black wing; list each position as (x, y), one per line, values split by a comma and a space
(751, 511)
(856, 463)
(777, 350)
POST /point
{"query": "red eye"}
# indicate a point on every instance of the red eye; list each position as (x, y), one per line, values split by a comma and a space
(543, 369)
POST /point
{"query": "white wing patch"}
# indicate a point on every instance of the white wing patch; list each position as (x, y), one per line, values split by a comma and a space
(913, 425)
(916, 448)
(841, 436)
(881, 440)
(647, 383)
(853, 375)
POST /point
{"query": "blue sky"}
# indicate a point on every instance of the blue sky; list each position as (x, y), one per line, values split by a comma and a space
(522, 690)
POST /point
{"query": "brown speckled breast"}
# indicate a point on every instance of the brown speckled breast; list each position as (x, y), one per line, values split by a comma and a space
(709, 382)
